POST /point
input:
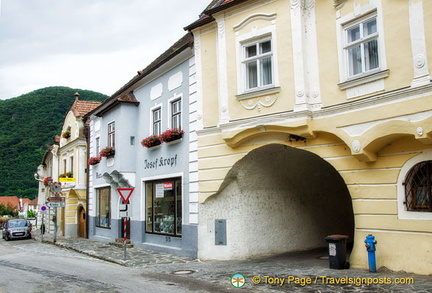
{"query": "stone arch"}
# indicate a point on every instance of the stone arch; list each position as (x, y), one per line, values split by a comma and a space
(277, 199)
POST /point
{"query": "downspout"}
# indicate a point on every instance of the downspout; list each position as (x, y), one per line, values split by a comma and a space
(87, 138)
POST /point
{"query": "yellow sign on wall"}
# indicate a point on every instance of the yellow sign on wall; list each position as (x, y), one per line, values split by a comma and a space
(64, 179)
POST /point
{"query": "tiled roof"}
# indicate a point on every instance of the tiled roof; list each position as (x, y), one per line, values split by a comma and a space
(214, 6)
(34, 202)
(80, 108)
(13, 200)
(125, 93)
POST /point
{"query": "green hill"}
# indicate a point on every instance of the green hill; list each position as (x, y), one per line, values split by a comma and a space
(28, 125)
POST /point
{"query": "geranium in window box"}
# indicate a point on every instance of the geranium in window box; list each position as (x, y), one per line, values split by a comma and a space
(93, 160)
(151, 141)
(66, 134)
(47, 181)
(107, 152)
(172, 134)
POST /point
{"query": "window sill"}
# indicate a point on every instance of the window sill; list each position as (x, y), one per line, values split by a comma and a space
(258, 93)
(364, 79)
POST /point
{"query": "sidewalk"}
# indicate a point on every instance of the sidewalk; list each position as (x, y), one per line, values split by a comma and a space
(288, 272)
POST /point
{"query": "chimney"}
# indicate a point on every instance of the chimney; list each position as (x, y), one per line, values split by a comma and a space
(76, 96)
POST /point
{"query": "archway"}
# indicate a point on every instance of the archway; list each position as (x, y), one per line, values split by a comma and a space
(277, 199)
(81, 214)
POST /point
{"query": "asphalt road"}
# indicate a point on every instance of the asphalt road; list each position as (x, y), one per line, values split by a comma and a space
(30, 266)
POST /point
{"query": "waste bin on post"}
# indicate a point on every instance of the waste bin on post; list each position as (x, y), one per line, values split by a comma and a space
(337, 251)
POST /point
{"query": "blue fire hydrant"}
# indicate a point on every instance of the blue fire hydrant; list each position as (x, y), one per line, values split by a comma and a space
(370, 247)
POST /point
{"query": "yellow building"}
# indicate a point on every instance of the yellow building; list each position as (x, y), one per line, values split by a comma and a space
(315, 118)
(72, 168)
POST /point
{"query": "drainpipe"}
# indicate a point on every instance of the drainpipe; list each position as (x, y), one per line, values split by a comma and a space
(87, 138)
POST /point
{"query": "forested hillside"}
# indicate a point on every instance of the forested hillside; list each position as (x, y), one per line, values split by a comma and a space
(28, 125)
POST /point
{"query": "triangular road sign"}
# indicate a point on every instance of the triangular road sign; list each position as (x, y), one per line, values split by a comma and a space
(125, 193)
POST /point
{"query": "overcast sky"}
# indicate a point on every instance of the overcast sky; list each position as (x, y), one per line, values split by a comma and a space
(97, 45)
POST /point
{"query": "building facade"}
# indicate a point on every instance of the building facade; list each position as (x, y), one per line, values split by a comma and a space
(72, 170)
(125, 130)
(314, 118)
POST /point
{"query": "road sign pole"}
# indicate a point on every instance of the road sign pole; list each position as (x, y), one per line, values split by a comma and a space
(55, 224)
(124, 237)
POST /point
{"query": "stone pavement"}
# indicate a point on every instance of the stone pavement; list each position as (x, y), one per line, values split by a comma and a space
(291, 272)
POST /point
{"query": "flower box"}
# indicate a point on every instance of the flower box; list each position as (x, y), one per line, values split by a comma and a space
(172, 134)
(107, 152)
(47, 181)
(66, 134)
(151, 141)
(94, 160)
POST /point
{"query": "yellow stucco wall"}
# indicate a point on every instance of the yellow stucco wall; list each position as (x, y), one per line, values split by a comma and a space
(386, 130)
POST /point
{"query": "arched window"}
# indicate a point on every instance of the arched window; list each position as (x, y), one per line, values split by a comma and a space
(418, 188)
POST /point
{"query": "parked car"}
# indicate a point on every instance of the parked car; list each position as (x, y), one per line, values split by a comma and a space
(17, 228)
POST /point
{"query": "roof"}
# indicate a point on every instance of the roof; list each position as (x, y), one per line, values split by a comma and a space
(125, 93)
(214, 7)
(80, 108)
(13, 200)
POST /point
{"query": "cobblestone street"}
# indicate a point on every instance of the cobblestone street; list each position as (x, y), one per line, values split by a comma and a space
(291, 272)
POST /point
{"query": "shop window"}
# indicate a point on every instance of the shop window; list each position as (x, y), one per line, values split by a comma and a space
(111, 134)
(103, 216)
(418, 188)
(164, 207)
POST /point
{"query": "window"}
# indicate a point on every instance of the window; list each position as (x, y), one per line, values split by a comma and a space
(71, 164)
(157, 128)
(103, 216)
(164, 207)
(418, 188)
(176, 114)
(97, 146)
(258, 64)
(361, 46)
(111, 134)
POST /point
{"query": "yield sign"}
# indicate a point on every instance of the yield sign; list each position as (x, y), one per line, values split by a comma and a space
(125, 193)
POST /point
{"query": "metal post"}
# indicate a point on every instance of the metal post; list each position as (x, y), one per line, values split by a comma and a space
(124, 237)
(55, 224)
(42, 228)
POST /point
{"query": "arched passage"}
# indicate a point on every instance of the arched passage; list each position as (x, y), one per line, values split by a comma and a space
(276, 199)
(81, 221)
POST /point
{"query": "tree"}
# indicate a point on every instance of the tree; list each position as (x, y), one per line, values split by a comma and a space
(31, 214)
(8, 210)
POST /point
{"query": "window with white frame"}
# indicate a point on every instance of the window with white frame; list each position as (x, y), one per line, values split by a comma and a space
(111, 134)
(176, 114)
(157, 123)
(361, 46)
(97, 145)
(258, 64)
(164, 206)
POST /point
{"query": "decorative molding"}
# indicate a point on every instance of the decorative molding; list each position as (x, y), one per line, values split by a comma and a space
(253, 17)
(356, 146)
(364, 79)
(266, 102)
(338, 4)
(259, 93)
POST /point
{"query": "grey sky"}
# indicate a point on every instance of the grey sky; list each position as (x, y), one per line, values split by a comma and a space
(90, 44)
